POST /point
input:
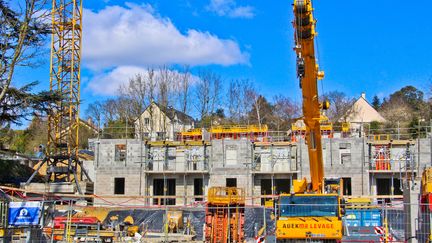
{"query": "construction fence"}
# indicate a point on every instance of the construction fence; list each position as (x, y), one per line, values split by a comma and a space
(382, 222)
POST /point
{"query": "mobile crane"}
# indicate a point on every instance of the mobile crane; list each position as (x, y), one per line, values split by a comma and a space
(312, 212)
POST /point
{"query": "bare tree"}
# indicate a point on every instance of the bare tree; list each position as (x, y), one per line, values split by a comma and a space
(341, 106)
(216, 88)
(151, 94)
(285, 111)
(397, 111)
(234, 100)
(202, 95)
(184, 89)
(246, 89)
(21, 35)
(109, 110)
(164, 83)
(207, 94)
(95, 112)
(135, 92)
(260, 107)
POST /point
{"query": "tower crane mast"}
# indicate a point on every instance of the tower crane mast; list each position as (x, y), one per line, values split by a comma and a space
(61, 161)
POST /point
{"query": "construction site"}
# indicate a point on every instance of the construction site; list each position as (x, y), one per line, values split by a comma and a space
(168, 178)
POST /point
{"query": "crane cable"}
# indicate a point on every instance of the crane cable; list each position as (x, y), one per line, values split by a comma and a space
(318, 56)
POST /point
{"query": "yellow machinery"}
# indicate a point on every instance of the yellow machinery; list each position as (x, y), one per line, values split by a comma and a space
(174, 221)
(3, 217)
(313, 211)
(425, 224)
(224, 220)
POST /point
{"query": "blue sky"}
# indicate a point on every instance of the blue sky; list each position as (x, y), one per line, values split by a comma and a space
(371, 46)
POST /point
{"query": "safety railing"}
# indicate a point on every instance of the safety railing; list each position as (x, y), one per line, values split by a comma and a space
(226, 195)
(3, 213)
(384, 223)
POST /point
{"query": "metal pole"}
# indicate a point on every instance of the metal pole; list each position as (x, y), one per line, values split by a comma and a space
(363, 163)
(141, 167)
(430, 140)
(301, 158)
(126, 120)
(185, 190)
(398, 130)
(229, 224)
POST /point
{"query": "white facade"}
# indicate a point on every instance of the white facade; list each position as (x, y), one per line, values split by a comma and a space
(362, 113)
(159, 123)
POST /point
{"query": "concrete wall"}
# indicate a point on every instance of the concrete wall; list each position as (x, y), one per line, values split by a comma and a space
(248, 164)
(342, 158)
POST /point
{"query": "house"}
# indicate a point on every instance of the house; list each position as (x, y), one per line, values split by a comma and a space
(158, 122)
(361, 113)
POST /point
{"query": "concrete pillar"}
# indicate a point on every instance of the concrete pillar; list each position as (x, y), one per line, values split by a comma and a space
(411, 208)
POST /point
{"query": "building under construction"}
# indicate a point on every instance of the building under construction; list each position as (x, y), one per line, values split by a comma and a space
(185, 170)
(224, 183)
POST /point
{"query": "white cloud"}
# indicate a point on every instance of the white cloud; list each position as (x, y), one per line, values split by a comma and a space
(108, 83)
(136, 35)
(229, 8)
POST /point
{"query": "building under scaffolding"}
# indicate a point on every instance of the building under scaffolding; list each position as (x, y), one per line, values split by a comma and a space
(180, 173)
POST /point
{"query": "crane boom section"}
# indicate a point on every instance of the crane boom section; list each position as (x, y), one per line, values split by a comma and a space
(308, 73)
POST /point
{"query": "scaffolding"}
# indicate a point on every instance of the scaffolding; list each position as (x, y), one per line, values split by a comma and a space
(298, 129)
(225, 215)
(250, 132)
(195, 134)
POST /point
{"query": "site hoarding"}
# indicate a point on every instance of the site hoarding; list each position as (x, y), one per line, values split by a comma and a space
(24, 213)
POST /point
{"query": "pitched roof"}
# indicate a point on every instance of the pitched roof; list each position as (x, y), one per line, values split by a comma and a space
(363, 111)
(171, 113)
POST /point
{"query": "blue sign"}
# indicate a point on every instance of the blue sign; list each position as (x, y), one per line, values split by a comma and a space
(24, 213)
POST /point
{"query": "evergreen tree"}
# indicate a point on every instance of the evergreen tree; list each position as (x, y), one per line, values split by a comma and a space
(376, 102)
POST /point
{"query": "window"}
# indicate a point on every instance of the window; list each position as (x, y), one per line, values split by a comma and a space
(120, 152)
(388, 186)
(345, 158)
(347, 186)
(198, 188)
(119, 186)
(344, 146)
(231, 155)
(160, 135)
(158, 190)
(231, 182)
(146, 121)
(145, 135)
(308, 206)
(345, 153)
(280, 186)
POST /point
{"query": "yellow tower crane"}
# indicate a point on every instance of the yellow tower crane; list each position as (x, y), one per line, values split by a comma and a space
(61, 161)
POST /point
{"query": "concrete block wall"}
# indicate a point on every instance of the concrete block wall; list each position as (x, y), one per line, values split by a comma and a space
(275, 158)
(333, 149)
(424, 150)
(104, 184)
(184, 187)
(105, 153)
(234, 159)
(230, 153)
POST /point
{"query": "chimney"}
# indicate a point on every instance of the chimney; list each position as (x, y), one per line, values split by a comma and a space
(363, 95)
